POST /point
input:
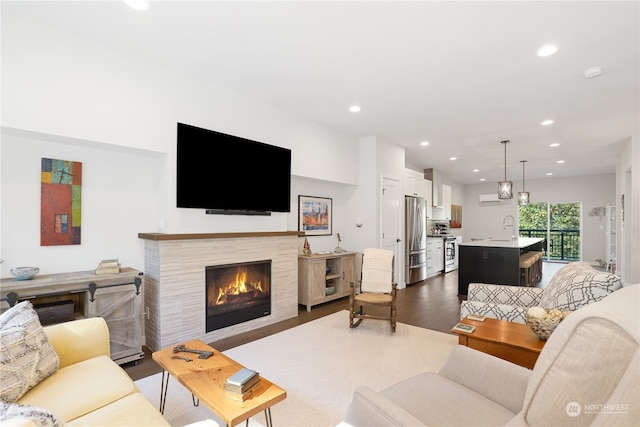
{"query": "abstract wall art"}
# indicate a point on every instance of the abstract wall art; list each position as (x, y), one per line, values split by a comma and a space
(60, 202)
(456, 216)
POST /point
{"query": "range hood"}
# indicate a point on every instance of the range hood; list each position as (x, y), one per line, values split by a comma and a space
(436, 183)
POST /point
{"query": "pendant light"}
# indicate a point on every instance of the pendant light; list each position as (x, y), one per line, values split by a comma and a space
(505, 188)
(523, 196)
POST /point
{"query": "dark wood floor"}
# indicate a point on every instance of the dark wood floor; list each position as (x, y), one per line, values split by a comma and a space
(431, 304)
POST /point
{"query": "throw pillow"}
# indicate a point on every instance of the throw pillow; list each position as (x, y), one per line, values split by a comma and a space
(576, 285)
(15, 414)
(26, 356)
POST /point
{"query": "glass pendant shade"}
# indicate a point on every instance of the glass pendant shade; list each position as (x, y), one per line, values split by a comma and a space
(523, 198)
(505, 190)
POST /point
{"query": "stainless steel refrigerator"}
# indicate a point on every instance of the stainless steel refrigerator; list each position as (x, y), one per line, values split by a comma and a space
(415, 220)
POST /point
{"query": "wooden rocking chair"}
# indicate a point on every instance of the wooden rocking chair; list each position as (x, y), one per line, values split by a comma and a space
(377, 289)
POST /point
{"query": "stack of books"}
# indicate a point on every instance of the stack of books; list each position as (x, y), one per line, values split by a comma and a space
(241, 385)
(108, 266)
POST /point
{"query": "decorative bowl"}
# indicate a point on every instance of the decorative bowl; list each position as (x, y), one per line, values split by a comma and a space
(543, 322)
(329, 290)
(25, 273)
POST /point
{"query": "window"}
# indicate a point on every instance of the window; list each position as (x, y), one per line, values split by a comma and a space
(558, 224)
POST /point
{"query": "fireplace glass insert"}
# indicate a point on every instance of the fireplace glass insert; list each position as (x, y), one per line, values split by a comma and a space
(237, 293)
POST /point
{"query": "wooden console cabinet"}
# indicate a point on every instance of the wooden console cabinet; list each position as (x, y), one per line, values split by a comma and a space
(317, 272)
(117, 298)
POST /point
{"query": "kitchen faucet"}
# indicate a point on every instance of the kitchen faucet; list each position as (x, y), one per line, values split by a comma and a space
(504, 222)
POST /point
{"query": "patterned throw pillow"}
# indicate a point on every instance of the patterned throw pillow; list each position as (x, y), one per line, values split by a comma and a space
(576, 285)
(15, 414)
(26, 356)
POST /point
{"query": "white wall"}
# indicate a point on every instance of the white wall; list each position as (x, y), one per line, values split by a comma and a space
(76, 99)
(121, 189)
(58, 84)
(486, 219)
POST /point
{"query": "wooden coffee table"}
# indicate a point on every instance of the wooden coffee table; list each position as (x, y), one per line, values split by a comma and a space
(205, 379)
(514, 342)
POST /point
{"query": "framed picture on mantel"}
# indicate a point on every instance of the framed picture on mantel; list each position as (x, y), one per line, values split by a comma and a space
(315, 215)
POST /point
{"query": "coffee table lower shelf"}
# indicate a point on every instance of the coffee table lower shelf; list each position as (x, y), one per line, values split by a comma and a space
(205, 379)
(514, 342)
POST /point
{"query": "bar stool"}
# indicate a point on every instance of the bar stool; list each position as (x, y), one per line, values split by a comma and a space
(538, 267)
(527, 269)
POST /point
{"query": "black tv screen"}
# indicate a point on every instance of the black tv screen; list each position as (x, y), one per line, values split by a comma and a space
(231, 175)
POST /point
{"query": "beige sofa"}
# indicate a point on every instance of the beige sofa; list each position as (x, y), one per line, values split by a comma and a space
(63, 375)
(88, 388)
(587, 374)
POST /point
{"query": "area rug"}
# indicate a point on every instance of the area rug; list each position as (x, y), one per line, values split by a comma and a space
(319, 364)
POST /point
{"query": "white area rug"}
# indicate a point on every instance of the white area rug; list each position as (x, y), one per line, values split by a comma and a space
(319, 364)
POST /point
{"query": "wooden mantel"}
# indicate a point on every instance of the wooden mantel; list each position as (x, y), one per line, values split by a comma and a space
(194, 236)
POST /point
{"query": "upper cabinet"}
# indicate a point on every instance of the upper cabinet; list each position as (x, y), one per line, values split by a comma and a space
(446, 201)
(413, 183)
(428, 196)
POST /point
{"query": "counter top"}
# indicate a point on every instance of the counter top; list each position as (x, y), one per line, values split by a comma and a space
(523, 242)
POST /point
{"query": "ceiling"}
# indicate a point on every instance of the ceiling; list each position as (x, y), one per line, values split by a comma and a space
(461, 75)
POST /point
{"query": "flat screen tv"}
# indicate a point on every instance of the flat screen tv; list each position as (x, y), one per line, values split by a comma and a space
(227, 174)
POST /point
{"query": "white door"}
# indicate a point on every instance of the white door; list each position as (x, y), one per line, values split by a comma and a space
(390, 226)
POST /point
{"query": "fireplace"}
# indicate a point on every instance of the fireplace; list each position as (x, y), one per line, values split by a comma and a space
(237, 293)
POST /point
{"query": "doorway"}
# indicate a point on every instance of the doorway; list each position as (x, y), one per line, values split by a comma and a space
(558, 223)
(390, 226)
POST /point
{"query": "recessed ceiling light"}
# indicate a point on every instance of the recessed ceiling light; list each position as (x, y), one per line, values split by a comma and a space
(476, 170)
(424, 143)
(483, 179)
(549, 173)
(592, 72)
(560, 161)
(547, 122)
(354, 108)
(555, 144)
(137, 4)
(453, 158)
(547, 50)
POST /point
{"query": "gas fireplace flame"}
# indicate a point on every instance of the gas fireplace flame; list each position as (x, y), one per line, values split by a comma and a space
(238, 287)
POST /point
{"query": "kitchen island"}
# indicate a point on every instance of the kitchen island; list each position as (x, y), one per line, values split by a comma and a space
(492, 261)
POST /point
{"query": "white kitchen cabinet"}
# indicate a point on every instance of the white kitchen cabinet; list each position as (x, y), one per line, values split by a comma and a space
(446, 201)
(439, 255)
(431, 257)
(413, 183)
(435, 256)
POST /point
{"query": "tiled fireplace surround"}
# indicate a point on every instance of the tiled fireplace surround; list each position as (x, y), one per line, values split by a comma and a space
(174, 281)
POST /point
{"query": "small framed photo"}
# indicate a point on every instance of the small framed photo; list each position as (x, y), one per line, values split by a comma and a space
(315, 215)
